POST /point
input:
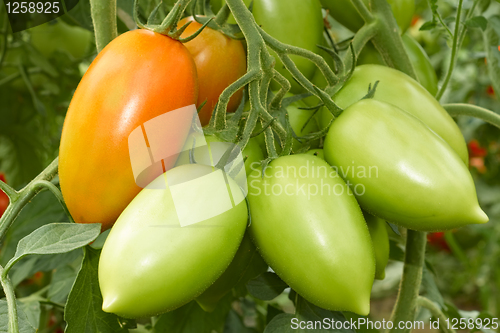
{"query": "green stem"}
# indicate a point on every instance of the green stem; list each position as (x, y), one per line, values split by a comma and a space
(388, 41)
(454, 51)
(24, 196)
(363, 11)
(436, 312)
(13, 326)
(406, 304)
(473, 111)
(104, 20)
(363, 36)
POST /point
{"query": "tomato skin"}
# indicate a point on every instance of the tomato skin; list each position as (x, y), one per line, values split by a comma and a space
(151, 264)
(285, 20)
(57, 35)
(380, 240)
(402, 91)
(420, 182)
(211, 154)
(346, 14)
(420, 60)
(136, 77)
(4, 198)
(316, 152)
(289, 230)
(247, 264)
(220, 61)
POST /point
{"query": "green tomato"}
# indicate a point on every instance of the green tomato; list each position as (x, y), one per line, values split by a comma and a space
(346, 14)
(57, 35)
(246, 265)
(295, 22)
(380, 240)
(211, 153)
(157, 256)
(400, 170)
(402, 91)
(419, 59)
(309, 228)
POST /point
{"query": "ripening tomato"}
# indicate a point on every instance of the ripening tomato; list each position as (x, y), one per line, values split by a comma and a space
(295, 22)
(138, 76)
(4, 199)
(220, 61)
(309, 228)
(401, 170)
(172, 243)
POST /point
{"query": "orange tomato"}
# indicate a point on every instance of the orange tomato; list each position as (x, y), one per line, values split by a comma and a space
(220, 61)
(138, 76)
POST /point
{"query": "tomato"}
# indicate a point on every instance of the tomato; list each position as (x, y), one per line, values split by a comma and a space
(438, 241)
(246, 265)
(157, 256)
(380, 240)
(346, 14)
(137, 77)
(220, 61)
(59, 36)
(4, 199)
(421, 63)
(402, 91)
(311, 232)
(295, 22)
(400, 170)
(211, 153)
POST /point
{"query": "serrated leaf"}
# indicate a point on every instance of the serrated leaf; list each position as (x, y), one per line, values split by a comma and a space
(477, 22)
(266, 286)
(83, 312)
(428, 26)
(191, 318)
(23, 322)
(56, 238)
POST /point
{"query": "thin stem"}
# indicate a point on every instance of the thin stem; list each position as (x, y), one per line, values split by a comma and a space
(11, 193)
(363, 36)
(436, 312)
(43, 184)
(104, 20)
(454, 51)
(406, 303)
(475, 111)
(363, 11)
(24, 196)
(8, 289)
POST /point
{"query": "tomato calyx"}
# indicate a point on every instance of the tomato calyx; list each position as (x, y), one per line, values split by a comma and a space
(168, 26)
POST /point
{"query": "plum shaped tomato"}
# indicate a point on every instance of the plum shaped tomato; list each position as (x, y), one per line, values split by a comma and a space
(136, 77)
(170, 244)
(220, 61)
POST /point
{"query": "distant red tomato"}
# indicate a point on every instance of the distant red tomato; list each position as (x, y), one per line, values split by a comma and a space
(4, 199)
(490, 91)
(475, 149)
(437, 240)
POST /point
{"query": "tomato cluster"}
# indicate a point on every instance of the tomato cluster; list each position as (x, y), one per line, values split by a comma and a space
(318, 216)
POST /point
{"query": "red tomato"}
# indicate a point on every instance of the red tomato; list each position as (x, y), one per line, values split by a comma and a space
(437, 240)
(138, 76)
(4, 199)
(220, 61)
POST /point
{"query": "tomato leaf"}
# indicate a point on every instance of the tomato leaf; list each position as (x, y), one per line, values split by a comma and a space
(25, 326)
(83, 311)
(491, 43)
(63, 279)
(266, 286)
(32, 311)
(430, 287)
(234, 324)
(395, 251)
(477, 22)
(55, 238)
(191, 318)
(281, 324)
